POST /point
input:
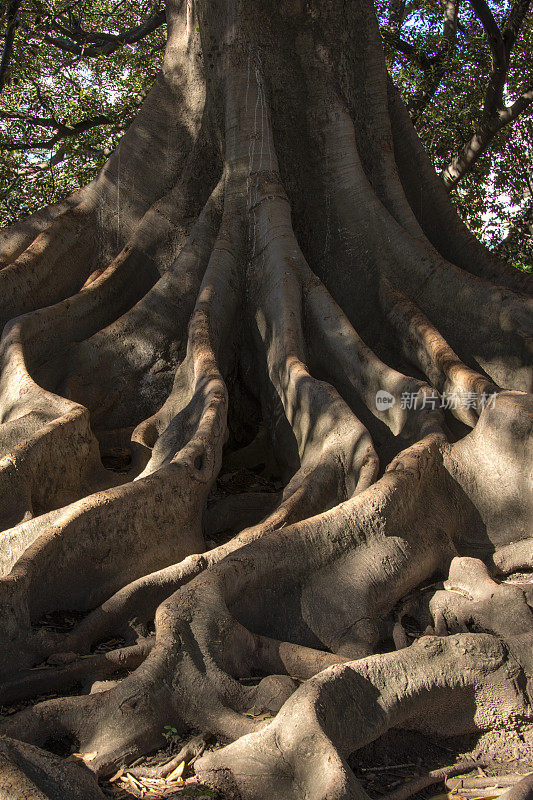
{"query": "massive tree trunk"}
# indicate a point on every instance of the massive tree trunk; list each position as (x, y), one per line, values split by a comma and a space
(267, 250)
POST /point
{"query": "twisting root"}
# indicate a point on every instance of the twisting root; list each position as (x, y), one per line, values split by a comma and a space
(49, 679)
(188, 753)
(303, 752)
(272, 641)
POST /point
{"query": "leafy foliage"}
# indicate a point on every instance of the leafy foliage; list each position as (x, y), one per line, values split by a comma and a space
(62, 113)
(497, 194)
(170, 733)
(79, 69)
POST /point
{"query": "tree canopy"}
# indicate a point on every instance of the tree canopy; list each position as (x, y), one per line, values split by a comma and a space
(74, 79)
(74, 73)
(466, 73)
(266, 411)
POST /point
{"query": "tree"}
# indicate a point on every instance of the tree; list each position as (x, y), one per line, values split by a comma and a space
(266, 284)
(73, 79)
(65, 102)
(465, 76)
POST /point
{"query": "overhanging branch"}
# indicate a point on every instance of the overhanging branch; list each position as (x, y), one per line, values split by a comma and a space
(83, 43)
(436, 67)
(496, 115)
(11, 24)
(407, 49)
(470, 153)
(62, 131)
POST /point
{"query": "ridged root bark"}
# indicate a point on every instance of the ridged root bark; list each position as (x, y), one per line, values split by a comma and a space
(249, 291)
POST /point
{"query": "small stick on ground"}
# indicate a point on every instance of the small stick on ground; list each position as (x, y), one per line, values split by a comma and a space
(188, 753)
(435, 776)
(484, 782)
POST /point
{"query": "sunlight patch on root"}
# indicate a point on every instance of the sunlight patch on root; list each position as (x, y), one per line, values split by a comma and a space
(302, 753)
(38, 276)
(424, 347)
(18, 237)
(492, 466)
(31, 482)
(471, 599)
(514, 557)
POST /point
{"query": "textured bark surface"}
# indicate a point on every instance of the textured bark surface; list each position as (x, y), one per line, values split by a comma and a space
(193, 457)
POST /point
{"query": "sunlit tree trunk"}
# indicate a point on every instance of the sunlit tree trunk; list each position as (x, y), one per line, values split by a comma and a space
(266, 276)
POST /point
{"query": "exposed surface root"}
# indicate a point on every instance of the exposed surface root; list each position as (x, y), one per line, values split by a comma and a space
(471, 599)
(424, 347)
(511, 558)
(523, 790)
(55, 678)
(28, 773)
(226, 444)
(188, 753)
(289, 757)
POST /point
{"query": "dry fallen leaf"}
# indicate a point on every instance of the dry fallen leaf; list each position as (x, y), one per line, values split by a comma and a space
(85, 756)
(176, 773)
(134, 783)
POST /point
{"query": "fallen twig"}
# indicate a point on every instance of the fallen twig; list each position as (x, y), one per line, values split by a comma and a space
(435, 776)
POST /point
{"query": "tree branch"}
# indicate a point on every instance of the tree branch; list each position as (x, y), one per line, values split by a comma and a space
(79, 42)
(490, 26)
(414, 53)
(42, 122)
(37, 168)
(63, 132)
(437, 65)
(11, 24)
(495, 115)
(462, 164)
(516, 16)
(500, 53)
(396, 13)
